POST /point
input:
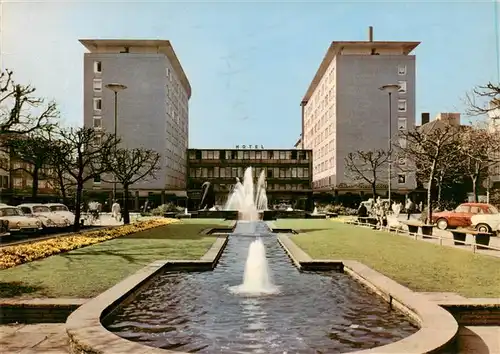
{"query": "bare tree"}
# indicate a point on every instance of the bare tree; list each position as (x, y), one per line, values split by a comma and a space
(479, 149)
(429, 148)
(484, 100)
(83, 154)
(33, 151)
(21, 111)
(365, 166)
(129, 166)
(448, 173)
(59, 178)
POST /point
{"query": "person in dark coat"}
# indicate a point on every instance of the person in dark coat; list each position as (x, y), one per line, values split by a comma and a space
(362, 211)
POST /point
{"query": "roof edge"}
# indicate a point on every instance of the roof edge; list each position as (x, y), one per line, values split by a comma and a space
(91, 44)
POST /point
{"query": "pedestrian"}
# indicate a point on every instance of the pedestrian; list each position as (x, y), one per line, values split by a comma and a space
(362, 211)
(410, 208)
(116, 211)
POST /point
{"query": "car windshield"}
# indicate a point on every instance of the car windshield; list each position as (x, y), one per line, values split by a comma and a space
(10, 212)
(59, 208)
(493, 210)
(462, 209)
(41, 209)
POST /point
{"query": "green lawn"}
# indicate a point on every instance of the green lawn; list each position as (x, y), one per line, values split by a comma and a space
(88, 271)
(419, 265)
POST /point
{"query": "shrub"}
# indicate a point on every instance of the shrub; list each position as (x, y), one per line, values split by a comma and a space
(11, 256)
(338, 209)
(166, 208)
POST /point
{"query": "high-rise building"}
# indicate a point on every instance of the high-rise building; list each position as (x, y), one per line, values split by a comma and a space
(152, 110)
(344, 109)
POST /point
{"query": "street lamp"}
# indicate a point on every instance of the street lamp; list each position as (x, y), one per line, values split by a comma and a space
(115, 88)
(390, 89)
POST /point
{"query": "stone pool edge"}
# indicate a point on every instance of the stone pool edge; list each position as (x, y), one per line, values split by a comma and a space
(86, 333)
(438, 328)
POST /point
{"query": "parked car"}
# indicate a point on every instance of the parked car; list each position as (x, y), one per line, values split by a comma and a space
(62, 210)
(487, 222)
(49, 219)
(18, 222)
(461, 216)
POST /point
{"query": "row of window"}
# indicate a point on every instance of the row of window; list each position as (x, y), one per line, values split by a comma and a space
(97, 101)
(269, 187)
(327, 181)
(25, 183)
(248, 155)
(401, 69)
(233, 172)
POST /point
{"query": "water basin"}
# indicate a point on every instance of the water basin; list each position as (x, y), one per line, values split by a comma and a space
(325, 312)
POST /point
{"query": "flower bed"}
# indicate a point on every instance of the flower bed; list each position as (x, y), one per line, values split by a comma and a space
(11, 256)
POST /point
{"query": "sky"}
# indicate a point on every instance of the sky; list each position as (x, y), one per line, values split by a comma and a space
(250, 63)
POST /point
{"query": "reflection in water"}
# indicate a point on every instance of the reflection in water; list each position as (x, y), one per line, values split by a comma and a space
(313, 313)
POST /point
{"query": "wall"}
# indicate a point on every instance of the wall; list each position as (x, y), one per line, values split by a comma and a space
(362, 109)
(150, 112)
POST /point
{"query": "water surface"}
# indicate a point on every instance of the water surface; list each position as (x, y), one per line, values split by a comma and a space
(324, 312)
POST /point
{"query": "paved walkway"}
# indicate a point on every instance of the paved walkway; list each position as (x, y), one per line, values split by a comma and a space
(479, 340)
(52, 339)
(448, 239)
(43, 338)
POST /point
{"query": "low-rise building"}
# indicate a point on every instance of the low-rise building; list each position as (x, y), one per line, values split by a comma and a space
(288, 173)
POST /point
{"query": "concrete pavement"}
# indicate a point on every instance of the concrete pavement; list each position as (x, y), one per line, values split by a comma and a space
(447, 239)
(43, 338)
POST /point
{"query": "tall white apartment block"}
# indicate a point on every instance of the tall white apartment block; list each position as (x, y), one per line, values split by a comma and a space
(344, 109)
(152, 111)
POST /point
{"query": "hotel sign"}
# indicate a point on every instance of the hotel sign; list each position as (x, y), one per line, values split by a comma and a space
(249, 146)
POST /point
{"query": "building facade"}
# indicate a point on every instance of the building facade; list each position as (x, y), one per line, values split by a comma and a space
(344, 109)
(494, 126)
(288, 174)
(152, 111)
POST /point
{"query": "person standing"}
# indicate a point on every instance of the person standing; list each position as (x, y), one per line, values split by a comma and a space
(116, 211)
(410, 208)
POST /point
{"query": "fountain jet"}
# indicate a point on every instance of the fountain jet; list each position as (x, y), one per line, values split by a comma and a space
(257, 277)
(247, 199)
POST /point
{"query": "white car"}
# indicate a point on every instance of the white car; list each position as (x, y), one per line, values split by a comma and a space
(18, 222)
(62, 210)
(49, 219)
(486, 222)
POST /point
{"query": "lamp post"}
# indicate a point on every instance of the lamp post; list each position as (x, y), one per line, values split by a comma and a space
(115, 88)
(390, 89)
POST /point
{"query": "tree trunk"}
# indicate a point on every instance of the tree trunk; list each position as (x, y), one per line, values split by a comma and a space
(429, 193)
(474, 189)
(34, 189)
(126, 213)
(374, 190)
(440, 188)
(62, 187)
(79, 189)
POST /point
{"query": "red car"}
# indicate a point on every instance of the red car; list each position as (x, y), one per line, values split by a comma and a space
(460, 217)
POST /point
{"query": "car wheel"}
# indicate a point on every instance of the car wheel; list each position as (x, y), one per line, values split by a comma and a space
(483, 228)
(442, 224)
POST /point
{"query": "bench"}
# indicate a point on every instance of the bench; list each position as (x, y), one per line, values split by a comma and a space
(367, 220)
(414, 225)
(481, 238)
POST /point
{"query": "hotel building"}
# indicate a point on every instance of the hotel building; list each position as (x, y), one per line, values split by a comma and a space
(288, 176)
(344, 109)
(152, 111)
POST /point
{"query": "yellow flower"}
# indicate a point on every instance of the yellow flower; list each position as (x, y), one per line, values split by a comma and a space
(11, 256)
